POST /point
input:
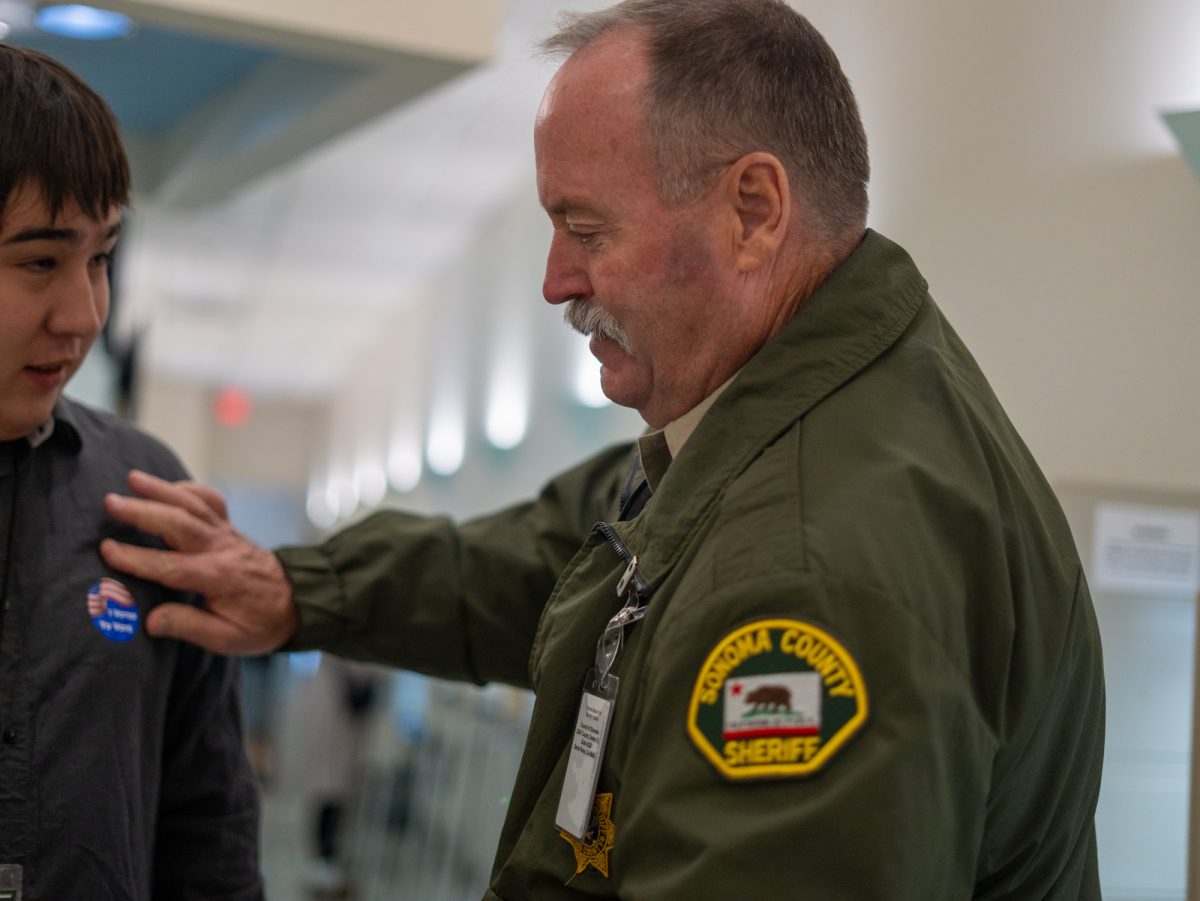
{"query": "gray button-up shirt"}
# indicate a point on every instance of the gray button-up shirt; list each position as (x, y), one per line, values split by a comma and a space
(122, 772)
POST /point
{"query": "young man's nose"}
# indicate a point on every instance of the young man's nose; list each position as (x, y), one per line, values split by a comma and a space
(80, 304)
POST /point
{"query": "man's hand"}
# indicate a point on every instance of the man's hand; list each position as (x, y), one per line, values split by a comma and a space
(248, 607)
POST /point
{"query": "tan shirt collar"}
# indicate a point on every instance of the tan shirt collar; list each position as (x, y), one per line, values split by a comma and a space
(660, 447)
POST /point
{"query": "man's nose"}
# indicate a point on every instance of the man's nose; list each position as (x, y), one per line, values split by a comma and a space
(80, 303)
(566, 277)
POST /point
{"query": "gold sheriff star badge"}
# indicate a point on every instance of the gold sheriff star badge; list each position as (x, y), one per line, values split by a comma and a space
(593, 850)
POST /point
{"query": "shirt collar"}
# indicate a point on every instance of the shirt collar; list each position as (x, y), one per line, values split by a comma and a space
(660, 447)
(61, 426)
(38, 436)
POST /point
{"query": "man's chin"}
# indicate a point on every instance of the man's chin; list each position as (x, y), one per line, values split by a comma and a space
(621, 385)
(15, 427)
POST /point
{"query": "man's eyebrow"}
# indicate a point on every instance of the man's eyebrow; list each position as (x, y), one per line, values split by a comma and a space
(46, 233)
(569, 205)
(43, 234)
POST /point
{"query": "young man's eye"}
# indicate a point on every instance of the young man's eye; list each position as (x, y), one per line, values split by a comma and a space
(103, 259)
(41, 264)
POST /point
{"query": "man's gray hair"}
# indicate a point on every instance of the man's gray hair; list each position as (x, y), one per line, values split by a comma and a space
(730, 77)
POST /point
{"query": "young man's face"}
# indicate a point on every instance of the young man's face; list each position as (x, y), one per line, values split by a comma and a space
(53, 302)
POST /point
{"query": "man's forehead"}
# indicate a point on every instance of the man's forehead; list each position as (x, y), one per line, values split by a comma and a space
(608, 73)
(595, 115)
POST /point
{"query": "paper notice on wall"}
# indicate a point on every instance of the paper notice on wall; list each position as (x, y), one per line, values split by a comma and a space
(1151, 549)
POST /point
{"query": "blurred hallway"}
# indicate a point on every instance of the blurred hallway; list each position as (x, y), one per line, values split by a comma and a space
(427, 801)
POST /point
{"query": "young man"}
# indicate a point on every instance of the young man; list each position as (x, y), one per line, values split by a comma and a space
(122, 772)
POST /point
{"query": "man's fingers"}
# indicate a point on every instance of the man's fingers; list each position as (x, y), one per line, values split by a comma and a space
(193, 624)
(175, 570)
(211, 497)
(175, 494)
(177, 527)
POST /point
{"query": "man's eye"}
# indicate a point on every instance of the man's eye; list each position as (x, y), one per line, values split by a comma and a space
(42, 264)
(103, 259)
(584, 238)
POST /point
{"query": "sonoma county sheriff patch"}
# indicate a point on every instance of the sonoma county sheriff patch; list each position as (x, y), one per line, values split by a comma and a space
(776, 697)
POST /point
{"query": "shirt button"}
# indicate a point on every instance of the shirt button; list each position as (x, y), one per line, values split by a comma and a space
(10, 736)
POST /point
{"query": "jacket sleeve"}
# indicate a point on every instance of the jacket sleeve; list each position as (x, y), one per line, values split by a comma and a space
(900, 810)
(454, 601)
(895, 811)
(206, 847)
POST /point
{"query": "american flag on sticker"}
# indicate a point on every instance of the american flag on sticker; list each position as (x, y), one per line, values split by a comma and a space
(104, 591)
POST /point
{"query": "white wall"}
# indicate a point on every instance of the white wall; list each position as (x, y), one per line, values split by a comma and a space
(1019, 156)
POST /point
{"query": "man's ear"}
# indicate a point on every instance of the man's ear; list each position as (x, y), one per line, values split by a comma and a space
(760, 203)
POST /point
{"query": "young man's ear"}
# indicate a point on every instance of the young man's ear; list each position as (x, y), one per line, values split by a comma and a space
(760, 202)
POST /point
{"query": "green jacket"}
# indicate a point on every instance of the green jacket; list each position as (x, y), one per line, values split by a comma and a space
(869, 665)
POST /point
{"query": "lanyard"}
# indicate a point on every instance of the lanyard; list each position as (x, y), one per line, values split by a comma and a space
(609, 644)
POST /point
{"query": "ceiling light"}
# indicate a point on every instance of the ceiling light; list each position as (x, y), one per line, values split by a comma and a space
(508, 402)
(446, 447)
(320, 512)
(370, 481)
(84, 23)
(404, 463)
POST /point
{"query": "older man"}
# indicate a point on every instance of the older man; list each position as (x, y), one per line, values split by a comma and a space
(828, 637)
(122, 773)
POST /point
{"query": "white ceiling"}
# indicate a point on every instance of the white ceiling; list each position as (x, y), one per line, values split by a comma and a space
(304, 264)
(212, 95)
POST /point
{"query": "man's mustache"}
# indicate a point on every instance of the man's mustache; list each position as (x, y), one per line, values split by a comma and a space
(588, 318)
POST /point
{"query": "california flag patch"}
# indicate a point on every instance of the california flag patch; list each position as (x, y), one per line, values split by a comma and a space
(776, 697)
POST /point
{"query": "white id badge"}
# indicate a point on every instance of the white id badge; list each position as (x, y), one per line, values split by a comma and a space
(587, 750)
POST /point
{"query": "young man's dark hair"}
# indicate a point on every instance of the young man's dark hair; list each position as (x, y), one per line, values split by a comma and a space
(57, 133)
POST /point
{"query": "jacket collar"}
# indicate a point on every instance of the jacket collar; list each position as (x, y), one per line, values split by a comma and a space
(860, 311)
